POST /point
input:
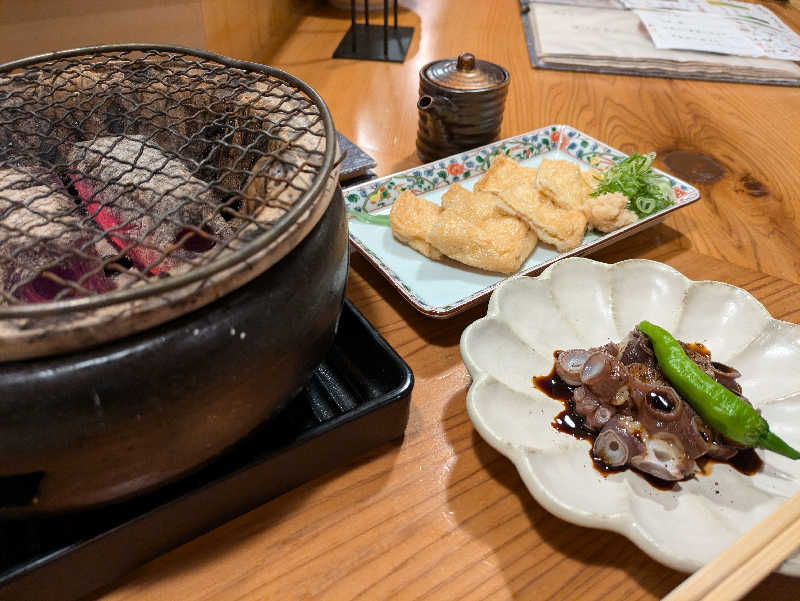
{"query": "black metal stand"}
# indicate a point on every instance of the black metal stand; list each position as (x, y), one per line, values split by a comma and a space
(375, 42)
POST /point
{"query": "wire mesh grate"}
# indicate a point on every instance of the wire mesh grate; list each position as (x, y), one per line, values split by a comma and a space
(128, 171)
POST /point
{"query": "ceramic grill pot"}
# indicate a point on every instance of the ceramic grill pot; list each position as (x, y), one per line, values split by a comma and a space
(173, 258)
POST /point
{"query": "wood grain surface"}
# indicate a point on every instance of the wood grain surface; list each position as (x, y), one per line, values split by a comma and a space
(440, 514)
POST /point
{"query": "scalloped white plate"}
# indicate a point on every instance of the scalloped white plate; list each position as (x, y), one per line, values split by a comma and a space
(581, 303)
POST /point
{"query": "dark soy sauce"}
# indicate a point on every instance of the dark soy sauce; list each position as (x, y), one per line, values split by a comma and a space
(554, 387)
(568, 421)
(571, 423)
(745, 462)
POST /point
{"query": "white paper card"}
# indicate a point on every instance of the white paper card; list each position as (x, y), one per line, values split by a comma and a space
(762, 27)
(769, 33)
(682, 30)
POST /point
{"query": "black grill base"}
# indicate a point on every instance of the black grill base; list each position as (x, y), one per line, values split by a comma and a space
(356, 399)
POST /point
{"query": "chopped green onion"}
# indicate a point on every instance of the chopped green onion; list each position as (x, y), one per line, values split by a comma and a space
(644, 205)
(647, 191)
(369, 217)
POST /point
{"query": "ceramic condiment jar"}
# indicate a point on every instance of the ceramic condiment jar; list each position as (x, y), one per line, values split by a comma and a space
(460, 105)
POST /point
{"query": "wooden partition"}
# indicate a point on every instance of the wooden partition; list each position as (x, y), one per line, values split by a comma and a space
(244, 29)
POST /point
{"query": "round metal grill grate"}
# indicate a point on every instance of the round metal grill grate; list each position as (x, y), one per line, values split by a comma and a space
(131, 171)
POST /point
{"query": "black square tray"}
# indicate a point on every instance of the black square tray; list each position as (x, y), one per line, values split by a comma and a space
(356, 399)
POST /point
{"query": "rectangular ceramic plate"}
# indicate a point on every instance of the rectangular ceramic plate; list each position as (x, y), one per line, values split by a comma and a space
(444, 288)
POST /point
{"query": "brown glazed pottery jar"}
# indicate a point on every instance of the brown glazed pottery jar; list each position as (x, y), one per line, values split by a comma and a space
(460, 105)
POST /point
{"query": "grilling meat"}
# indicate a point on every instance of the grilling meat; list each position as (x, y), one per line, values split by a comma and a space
(44, 252)
(152, 207)
(639, 419)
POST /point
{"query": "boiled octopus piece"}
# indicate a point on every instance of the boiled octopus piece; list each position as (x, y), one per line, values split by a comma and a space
(665, 458)
(569, 365)
(619, 442)
(594, 411)
(636, 348)
(719, 447)
(660, 409)
(726, 376)
(603, 374)
(640, 419)
(624, 441)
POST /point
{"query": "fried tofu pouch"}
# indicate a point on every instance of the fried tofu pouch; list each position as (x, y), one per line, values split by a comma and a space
(562, 228)
(473, 230)
(519, 196)
(563, 184)
(504, 173)
(570, 188)
(411, 219)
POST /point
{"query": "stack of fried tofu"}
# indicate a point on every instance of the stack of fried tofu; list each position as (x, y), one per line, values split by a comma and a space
(497, 226)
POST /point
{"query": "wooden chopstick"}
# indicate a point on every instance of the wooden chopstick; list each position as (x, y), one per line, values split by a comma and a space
(747, 561)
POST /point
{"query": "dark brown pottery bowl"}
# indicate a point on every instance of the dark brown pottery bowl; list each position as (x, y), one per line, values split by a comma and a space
(105, 424)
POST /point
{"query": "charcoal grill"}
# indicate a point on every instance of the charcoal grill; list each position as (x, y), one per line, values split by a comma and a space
(173, 259)
(139, 182)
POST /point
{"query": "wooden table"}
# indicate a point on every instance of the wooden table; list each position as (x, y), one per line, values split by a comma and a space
(440, 514)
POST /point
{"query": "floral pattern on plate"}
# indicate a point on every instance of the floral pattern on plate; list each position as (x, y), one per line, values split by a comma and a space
(377, 196)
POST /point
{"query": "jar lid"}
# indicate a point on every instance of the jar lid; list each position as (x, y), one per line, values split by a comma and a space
(465, 73)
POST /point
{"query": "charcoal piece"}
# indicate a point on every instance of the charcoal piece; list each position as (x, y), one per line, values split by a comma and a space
(147, 200)
(199, 120)
(42, 116)
(265, 171)
(42, 241)
(86, 101)
(26, 135)
(296, 144)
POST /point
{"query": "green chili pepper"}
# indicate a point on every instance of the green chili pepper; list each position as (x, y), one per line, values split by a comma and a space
(719, 407)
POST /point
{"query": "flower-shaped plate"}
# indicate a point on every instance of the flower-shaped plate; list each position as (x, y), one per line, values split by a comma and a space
(579, 303)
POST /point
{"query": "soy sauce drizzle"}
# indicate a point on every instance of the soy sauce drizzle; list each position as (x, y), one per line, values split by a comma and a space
(569, 421)
(553, 386)
(745, 462)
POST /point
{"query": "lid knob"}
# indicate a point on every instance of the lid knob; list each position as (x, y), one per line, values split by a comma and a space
(466, 62)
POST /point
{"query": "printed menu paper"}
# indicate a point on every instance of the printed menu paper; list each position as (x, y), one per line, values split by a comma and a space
(681, 30)
(604, 39)
(723, 26)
